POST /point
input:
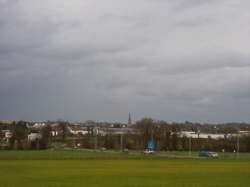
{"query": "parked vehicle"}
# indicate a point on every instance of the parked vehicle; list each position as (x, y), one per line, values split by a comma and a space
(125, 150)
(148, 152)
(209, 154)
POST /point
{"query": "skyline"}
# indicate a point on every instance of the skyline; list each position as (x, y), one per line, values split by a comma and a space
(172, 60)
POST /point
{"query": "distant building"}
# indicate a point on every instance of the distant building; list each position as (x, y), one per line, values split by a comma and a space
(191, 134)
(54, 133)
(129, 119)
(39, 125)
(7, 135)
(8, 122)
(34, 136)
(75, 130)
(244, 132)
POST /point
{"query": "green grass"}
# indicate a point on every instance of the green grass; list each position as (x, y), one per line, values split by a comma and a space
(56, 155)
(68, 168)
(121, 173)
(90, 154)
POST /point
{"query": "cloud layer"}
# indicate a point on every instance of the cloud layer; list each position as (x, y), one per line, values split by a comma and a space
(169, 59)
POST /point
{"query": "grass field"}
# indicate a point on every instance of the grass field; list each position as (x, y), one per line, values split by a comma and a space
(90, 154)
(141, 173)
(86, 168)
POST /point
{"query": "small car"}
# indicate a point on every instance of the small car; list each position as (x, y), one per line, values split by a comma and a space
(209, 154)
(213, 154)
(125, 150)
(148, 152)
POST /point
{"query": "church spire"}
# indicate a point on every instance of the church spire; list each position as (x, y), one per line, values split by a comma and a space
(129, 119)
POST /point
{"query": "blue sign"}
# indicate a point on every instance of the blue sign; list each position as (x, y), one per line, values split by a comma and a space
(151, 145)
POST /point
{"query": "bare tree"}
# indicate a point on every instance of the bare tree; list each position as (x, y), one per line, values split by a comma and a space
(63, 126)
(19, 132)
(46, 136)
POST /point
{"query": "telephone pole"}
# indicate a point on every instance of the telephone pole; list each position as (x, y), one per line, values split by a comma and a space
(238, 145)
(121, 141)
(190, 146)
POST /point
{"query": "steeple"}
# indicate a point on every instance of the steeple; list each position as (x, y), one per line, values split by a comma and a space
(129, 119)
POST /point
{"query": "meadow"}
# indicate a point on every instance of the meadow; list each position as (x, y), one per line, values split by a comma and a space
(88, 168)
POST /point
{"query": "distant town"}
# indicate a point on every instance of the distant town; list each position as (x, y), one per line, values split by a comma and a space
(119, 136)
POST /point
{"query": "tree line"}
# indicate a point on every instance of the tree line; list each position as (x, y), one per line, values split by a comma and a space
(166, 137)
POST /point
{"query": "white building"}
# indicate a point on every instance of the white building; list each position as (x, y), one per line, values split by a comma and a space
(39, 125)
(34, 136)
(191, 134)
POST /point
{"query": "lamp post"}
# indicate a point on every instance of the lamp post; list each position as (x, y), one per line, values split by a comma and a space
(238, 145)
(190, 146)
(95, 133)
(121, 142)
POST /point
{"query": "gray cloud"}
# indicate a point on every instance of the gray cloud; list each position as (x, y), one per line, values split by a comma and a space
(79, 60)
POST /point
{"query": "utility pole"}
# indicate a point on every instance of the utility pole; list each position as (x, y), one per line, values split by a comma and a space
(95, 142)
(190, 146)
(152, 133)
(238, 145)
(121, 142)
(95, 133)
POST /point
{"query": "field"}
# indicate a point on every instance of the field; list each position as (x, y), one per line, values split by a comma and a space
(90, 154)
(86, 168)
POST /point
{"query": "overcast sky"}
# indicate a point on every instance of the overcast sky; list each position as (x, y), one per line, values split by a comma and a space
(172, 60)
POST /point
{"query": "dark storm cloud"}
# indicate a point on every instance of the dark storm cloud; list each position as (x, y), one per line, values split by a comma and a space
(79, 60)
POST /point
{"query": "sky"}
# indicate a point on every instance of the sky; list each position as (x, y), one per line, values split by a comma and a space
(172, 60)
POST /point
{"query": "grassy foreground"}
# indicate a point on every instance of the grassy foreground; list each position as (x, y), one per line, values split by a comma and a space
(87, 168)
(121, 173)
